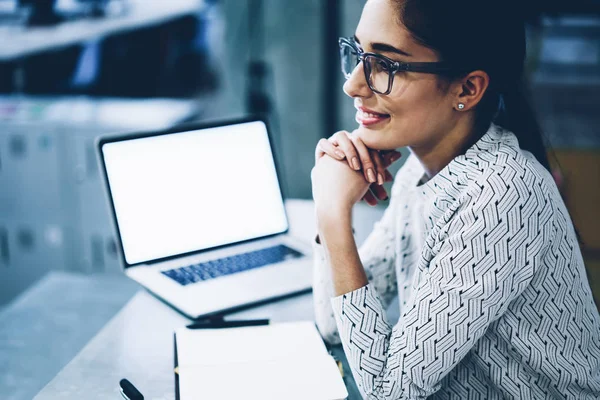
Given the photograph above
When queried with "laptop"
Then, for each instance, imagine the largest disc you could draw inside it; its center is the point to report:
(200, 218)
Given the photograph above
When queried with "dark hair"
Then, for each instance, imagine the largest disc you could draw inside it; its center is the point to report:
(482, 35)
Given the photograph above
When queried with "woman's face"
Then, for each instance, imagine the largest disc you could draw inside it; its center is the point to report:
(418, 111)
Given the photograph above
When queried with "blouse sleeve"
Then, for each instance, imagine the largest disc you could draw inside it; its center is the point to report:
(473, 267)
(377, 255)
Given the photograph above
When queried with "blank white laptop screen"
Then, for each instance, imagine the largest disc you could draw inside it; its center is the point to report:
(194, 190)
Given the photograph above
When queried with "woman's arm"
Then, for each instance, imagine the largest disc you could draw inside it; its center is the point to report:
(341, 253)
(378, 256)
(377, 252)
(465, 286)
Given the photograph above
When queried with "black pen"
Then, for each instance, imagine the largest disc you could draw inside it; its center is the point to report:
(218, 324)
(129, 392)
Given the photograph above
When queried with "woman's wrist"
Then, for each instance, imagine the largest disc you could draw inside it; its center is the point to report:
(318, 239)
(333, 227)
(334, 217)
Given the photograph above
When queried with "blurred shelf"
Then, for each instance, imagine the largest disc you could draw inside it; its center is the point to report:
(565, 79)
(53, 214)
(20, 41)
(96, 112)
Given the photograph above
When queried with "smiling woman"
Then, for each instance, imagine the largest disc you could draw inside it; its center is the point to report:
(476, 242)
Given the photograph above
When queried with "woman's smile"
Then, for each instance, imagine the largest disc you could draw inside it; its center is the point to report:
(366, 117)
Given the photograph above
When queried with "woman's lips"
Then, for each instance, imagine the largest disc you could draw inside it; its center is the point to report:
(367, 117)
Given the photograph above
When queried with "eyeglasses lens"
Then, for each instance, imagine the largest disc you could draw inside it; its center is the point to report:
(377, 70)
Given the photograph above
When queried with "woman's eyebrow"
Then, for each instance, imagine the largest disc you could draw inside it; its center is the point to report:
(386, 48)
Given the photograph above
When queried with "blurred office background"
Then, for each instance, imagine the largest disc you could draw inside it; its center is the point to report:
(71, 70)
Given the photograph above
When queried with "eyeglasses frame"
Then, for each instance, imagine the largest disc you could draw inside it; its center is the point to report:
(436, 67)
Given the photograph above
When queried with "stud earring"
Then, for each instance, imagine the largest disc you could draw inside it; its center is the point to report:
(461, 106)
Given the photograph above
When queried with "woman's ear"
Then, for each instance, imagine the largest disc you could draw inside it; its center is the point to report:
(470, 90)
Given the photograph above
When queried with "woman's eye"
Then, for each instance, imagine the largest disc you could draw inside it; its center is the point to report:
(382, 66)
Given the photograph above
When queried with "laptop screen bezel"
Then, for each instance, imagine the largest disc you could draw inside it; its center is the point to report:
(101, 141)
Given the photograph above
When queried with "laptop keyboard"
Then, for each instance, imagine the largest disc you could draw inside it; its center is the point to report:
(230, 265)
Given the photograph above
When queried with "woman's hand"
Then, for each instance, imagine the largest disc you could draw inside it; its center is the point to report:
(336, 188)
(343, 145)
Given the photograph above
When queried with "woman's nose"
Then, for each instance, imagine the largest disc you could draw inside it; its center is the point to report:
(356, 85)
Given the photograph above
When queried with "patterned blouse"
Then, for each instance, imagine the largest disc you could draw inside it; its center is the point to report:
(494, 298)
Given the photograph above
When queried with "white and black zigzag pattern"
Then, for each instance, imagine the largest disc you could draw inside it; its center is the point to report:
(495, 302)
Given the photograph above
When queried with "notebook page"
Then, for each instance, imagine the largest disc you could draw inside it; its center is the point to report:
(256, 343)
(315, 378)
(279, 361)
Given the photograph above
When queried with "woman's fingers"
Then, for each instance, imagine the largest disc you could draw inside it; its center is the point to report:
(379, 191)
(375, 194)
(338, 146)
(370, 199)
(376, 157)
(343, 145)
(368, 165)
(388, 177)
(389, 157)
(326, 147)
(346, 146)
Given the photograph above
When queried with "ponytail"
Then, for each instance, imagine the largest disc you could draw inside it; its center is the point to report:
(516, 113)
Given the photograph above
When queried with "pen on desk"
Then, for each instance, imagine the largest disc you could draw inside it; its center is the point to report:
(218, 324)
(129, 392)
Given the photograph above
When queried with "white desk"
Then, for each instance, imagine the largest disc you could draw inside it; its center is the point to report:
(137, 343)
(21, 41)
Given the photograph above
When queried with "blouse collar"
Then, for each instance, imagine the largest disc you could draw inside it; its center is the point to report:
(456, 172)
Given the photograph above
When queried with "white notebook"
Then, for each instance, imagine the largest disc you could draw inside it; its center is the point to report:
(278, 361)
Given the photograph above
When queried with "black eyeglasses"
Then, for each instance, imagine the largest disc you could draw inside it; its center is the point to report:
(380, 70)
